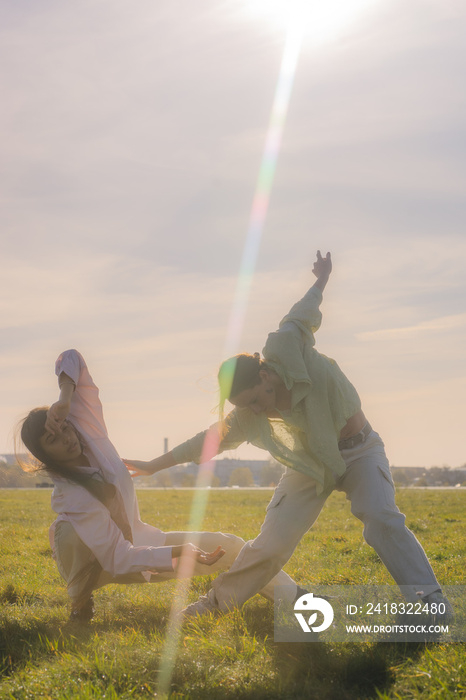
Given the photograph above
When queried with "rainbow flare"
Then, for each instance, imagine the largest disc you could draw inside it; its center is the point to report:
(248, 263)
(261, 199)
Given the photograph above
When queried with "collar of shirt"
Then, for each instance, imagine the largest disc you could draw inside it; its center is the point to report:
(283, 353)
(298, 392)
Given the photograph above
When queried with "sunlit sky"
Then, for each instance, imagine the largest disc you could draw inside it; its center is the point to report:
(131, 139)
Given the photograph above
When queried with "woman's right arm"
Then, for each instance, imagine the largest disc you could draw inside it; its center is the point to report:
(85, 405)
(192, 450)
(199, 449)
(140, 468)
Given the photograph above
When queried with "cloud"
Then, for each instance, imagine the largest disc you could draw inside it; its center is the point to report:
(131, 143)
(440, 325)
(140, 133)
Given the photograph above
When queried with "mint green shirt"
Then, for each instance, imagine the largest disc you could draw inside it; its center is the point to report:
(306, 437)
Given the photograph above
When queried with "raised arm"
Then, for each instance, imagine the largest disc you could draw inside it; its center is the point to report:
(283, 351)
(305, 315)
(59, 410)
(78, 400)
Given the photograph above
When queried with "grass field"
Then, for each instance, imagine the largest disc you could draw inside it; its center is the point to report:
(234, 656)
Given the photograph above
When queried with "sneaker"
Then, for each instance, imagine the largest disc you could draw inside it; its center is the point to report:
(435, 601)
(84, 613)
(303, 591)
(300, 592)
(284, 607)
(205, 605)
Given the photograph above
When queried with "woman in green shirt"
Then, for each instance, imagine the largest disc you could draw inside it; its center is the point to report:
(298, 405)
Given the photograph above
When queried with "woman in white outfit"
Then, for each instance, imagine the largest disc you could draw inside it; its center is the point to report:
(98, 536)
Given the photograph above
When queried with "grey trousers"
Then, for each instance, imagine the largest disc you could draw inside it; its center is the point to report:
(82, 573)
(294, 508)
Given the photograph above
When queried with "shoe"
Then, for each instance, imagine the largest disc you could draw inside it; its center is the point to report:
(300, 592)
(284, 607)
(303, 591)
(205, 605)
(83, 613)
(440, 608)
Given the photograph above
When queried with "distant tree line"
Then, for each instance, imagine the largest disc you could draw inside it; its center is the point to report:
(234, 472)
(242, 473)
(13, 477)
(435, 476)
(226, 472)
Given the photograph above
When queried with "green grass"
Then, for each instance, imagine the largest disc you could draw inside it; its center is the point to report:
(234, 656)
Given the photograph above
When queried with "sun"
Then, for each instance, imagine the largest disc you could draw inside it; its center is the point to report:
(317, 20)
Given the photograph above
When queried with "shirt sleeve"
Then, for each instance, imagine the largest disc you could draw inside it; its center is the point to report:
(116, 555)
(206, 444)
(86, 407)
(285, 348)
(305, 314)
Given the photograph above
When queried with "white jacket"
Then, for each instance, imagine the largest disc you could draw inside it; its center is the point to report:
(88, 516)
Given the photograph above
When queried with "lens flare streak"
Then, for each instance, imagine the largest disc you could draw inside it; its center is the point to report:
(264, 186)
(248, 263)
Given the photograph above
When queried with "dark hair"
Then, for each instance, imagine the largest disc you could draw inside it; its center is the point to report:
(234, 376)
(239, 373)
(32, 429)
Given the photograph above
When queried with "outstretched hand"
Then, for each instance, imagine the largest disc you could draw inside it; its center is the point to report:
(192, 552)
(137, 467)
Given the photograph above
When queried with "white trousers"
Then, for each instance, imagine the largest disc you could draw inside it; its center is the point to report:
(294, 508)
(78, 566)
